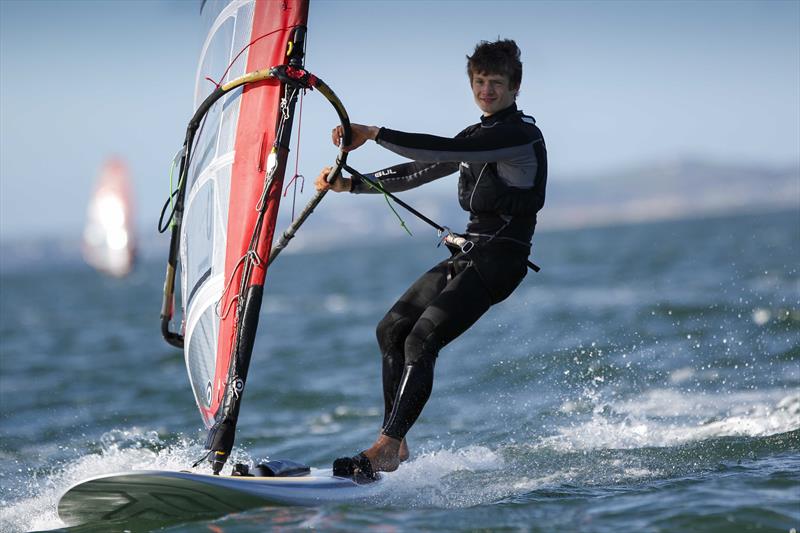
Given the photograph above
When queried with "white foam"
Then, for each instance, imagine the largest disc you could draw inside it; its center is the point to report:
(761, 316)
(528, 484)
(429, 468)
(427, 479)
(681, 375)
(336, 303)
(477, 475)
(121, 450)
(665, 417)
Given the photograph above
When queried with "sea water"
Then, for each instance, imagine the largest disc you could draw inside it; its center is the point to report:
(646, 380)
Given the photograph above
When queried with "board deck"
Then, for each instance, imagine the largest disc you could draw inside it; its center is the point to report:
(156, 495)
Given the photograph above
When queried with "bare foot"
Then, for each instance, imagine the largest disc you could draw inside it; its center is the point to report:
(384, 454)
(403, 454)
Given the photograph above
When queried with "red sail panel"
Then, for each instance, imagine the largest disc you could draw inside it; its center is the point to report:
(255, 135)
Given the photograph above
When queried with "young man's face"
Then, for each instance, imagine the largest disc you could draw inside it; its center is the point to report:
(492, 92)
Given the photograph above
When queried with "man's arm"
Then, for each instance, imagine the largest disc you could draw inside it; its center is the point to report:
(404, 176)
(397, 178)
(485, 145)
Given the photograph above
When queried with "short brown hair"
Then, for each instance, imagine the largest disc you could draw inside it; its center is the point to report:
(500, 57)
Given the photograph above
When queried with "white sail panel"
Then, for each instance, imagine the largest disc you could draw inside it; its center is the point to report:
(201, 342)
(203, 231)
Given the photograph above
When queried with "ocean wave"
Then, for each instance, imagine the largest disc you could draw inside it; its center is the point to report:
(664, 417)
(447, 478)
(34, 503)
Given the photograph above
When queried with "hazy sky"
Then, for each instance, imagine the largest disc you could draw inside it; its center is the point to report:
(610, 83)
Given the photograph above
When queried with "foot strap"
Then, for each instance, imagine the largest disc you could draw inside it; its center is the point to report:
(358, 468)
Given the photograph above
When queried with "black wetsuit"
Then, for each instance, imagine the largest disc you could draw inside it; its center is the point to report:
(503, 173)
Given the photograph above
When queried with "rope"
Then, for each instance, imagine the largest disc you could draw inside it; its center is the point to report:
(386, 197)
(173, 190)
(256, 260)
(297, 160)
(248, 45)
(187, 152)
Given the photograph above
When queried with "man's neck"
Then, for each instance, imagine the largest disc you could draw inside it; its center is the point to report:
(504, 110)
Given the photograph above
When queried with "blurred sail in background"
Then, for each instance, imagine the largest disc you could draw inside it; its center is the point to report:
(109, 243)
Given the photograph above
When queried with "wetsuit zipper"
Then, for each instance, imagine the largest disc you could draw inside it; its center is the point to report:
(471, 196)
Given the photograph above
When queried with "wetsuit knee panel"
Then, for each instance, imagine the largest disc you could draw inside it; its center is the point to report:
(422, 344)
(392, 331)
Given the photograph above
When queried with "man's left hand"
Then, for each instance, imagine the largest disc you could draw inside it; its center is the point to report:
(340, 183)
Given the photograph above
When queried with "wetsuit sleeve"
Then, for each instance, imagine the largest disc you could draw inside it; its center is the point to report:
(485, 145)
(404, 176)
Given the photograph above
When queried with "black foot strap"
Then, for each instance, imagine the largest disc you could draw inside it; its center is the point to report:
(358, 468)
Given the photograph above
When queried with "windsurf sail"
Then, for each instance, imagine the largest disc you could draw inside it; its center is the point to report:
(222, 214)
(109, 241)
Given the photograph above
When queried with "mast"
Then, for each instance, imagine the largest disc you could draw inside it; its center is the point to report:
(222, 214)
(221, 435)
(262, 141)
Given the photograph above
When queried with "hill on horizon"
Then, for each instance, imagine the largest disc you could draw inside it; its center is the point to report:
(680, 188)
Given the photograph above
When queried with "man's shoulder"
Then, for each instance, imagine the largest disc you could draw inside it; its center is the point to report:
(469, 130)
(520, 117)
(510, 119)
(528, 123)
(517, 124)
(526, 119)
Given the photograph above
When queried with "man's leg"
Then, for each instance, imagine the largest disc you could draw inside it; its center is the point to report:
(397, 324)
(462, 302)
(391, 333)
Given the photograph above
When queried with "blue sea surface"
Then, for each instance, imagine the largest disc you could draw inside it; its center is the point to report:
(648, 379)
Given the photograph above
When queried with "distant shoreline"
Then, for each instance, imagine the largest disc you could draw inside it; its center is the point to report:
(49, 251)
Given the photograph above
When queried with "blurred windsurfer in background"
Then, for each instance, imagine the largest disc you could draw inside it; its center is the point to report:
(502, 166)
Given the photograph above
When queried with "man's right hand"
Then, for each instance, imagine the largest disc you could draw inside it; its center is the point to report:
(340, 184)
(360, 135)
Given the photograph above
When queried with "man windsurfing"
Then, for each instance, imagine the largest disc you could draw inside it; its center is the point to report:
(502, 166)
